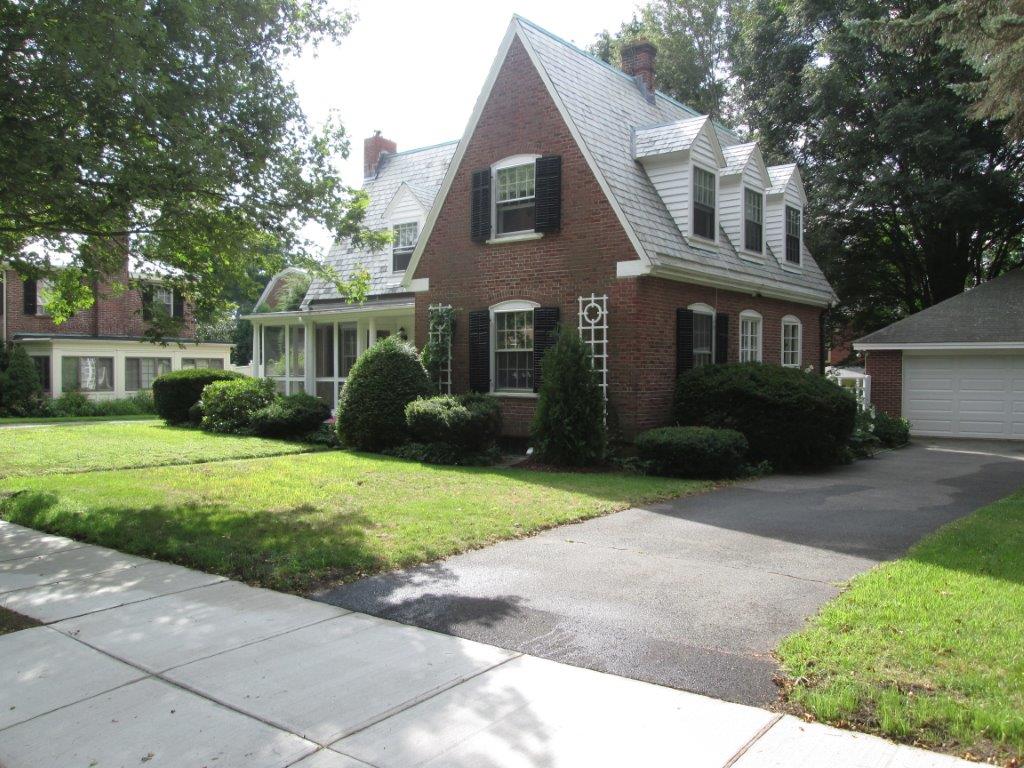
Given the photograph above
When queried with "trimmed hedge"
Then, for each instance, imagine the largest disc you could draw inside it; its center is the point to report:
(890, 431)
(230, 406)
(175, 392)
(698, 452)
(371, 408)
(468, 423)
(292, 416)
(791, 419)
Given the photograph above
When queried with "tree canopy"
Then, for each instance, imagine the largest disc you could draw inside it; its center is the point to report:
(166, 123)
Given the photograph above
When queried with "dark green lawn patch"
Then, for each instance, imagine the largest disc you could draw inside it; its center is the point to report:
(296, 522)
(29, 420)
(12, 622)
(928, 649)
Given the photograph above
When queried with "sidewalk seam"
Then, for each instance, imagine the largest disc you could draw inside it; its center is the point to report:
(752, 741)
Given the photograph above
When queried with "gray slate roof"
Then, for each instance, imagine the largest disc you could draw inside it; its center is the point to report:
(423, 170)
(991, 313)
(606, 105)
(736, 157)
(662, 139)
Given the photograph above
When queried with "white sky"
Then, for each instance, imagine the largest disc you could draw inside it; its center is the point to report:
(413, 70)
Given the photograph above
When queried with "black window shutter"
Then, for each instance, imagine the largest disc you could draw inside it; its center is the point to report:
(29, 293)
(545, 323)
(147, 302)
(684, 341)
(480, 350)
(179, 304)
(480, 206)
(548, 194)
(721, 338)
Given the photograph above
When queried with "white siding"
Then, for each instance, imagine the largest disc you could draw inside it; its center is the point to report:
(732, 194)
(405, 207)
(775, 218)
(671, 177)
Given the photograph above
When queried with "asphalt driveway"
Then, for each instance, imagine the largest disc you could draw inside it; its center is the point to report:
(696, 593)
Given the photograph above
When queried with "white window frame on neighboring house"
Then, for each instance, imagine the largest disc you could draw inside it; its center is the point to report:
(790, 357)
(507, 308)
(751, 330)
(714, 206)
(403, 243)
(148, 368)
(703, 355)
(499, 171)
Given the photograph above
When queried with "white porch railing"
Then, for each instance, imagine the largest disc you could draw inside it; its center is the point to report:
(854, 380)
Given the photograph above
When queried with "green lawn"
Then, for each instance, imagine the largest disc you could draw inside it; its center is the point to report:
(89, 447)
(930, 648)
(29, 420)
(295, 522)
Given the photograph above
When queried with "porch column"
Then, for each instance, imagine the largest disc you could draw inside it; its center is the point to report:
(310, 351)
(360, 337)
(372, 331)
(254, 364)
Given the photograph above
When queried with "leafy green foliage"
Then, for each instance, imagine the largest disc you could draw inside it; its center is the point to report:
(568, 426)
(294, 291)
(170, 124)
(436, 352)
(792, 419)
(468, 423)
(21, 394)
(892, 432)
(176, 392)
(292, 416)
(371, 405)
(698, 452)
(231, 406)
(76, 404)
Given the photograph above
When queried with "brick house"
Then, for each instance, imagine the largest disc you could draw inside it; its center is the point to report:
(102, 351)
(580, 196)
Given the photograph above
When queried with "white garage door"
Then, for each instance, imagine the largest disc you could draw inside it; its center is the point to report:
(965, 395)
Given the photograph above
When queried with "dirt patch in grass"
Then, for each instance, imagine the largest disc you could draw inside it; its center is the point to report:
(13, 622)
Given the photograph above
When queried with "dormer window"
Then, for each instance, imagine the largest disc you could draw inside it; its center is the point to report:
(514, 204)
(753, 220)
(703, 203)
(792, 235)
(164, 297)
(403, 243)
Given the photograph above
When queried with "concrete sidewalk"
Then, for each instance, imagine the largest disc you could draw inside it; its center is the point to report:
(144, 663)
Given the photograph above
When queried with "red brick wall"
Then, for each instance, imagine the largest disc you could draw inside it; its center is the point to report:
(885, 367)
(520, 118)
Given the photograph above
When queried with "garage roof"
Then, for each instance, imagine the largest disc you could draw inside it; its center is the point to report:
(991, 314)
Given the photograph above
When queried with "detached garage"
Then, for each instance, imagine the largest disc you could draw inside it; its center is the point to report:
(955, 369)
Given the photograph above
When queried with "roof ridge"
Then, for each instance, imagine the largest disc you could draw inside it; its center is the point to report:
(423, 149)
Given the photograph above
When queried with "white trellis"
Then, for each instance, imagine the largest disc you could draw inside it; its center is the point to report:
(593, 325)
(440, 338)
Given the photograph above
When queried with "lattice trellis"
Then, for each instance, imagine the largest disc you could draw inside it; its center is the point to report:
(593, 325)
(440, 319)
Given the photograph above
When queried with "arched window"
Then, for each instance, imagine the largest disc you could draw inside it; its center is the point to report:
(792, 341)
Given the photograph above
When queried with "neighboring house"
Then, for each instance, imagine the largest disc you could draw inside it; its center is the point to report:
(101, 351)
(955, 369)
(579, 196)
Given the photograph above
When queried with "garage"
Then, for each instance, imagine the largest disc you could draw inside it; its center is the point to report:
(955, 369)
(965, 395)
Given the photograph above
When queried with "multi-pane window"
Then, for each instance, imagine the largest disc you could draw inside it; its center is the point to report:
(750, 339)
(403, 243)
(203, 362)
(791, 342)
(347, 338)
(703, 339)
(753, 220)
(139, 372)
(513, 351)
(792, 235)
(514, 199)
(703, 203)
(87, 374)
(274, 363)
(163, 297)
(43, 369)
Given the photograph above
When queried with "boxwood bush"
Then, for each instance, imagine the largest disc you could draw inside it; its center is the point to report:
(175, 392)
(371, 407)
(792, 419)
(230, 406)
(292, 416)
(467, 423)
(698, 452)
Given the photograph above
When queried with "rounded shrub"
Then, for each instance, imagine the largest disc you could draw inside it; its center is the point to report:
(568, 426)
(791, 419)
(891, 432)
(230, 406)
(175, 392)
(699, 452)
(467, 423)
(21, 394)
(371, 406)
(292, 416)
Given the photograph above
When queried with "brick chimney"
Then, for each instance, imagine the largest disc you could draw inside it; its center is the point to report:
(373, 148)
(638, 62)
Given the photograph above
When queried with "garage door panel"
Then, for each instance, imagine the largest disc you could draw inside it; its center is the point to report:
(970, 407)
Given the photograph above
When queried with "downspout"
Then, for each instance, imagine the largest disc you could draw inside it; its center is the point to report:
(822, 357)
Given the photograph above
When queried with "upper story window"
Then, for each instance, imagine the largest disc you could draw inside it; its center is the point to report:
(792, 235)
(753, 220)
(513, 350)
(750, 337)
(34, 294)
(514, 199)
(792, 331)
(703, 203)
(163, 297)
(403, 242)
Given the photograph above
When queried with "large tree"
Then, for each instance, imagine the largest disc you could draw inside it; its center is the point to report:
(165, 124)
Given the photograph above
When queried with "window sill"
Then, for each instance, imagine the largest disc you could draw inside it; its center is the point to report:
(516, 395)
(518, 237)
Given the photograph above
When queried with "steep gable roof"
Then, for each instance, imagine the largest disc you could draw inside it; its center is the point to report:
(672, 137)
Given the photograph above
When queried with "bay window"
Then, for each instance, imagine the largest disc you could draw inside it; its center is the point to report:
(513, 351)
(87, 374)
(750, 337)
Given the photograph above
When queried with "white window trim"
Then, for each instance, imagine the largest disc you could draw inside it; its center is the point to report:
(705, 309)
(743, 223)
(42, 284)
(514, 305)
(750, 314)
(410, 249)
(693, 201)
(792, 320)
(794, 265)
(509, 237)
(156, 289)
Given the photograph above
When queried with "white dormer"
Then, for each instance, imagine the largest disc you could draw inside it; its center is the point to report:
(405, 213)
(784, 215)
(683, 160)
(744, 182)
